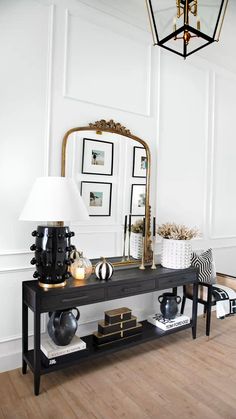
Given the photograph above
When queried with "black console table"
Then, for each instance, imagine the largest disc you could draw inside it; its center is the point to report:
(124, 283)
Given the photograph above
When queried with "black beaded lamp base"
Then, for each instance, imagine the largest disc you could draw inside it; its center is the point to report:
(52, 255)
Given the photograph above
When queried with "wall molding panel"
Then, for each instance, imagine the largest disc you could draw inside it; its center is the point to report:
(15, 258)
(48, 110)
(182, 165)
(75, 70)
(222, 207)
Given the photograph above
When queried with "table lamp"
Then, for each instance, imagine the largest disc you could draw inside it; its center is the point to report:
(52, 201)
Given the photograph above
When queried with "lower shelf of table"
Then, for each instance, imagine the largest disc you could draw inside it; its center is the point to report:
(149, 332)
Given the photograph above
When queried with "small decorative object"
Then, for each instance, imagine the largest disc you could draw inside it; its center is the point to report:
(136, 239)
(97, 157)
(124, 242)
(105, 328)
(165, 324)
(142, 267)
(169, 305)
(153, 243)
(206, 267)
(81, 268)
(104, 270)
(139, 162)
(53, 354)
(97, 198)
(186, 26)
(138, 199)
(118, 325)
(102, 340)
(62, 326)
(118, 315)
(176, 245)
(53, 200)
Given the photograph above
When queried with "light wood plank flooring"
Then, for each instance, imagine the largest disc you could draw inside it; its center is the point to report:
(173, 377)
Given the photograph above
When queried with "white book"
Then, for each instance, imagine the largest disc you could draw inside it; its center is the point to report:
(165, 324)
(51, 350)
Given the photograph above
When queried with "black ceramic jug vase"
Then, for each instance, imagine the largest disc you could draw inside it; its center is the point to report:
(62, 326)
(169, 305)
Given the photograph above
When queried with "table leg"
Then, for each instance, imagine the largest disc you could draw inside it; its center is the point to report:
(208, 310)
(194, 310)
(24, 335)
(37, 361)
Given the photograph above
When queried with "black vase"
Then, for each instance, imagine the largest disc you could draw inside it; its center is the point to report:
(169, 305)
(52, 255)
(62, 326)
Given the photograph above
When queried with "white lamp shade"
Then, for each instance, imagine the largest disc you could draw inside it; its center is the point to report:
(54, 199)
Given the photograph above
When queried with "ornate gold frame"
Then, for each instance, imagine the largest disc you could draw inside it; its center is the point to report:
(116, 128)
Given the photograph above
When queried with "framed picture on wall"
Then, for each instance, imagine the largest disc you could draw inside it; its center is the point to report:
(97, 198)
(138, 198)
(97, 157)
(139, 162)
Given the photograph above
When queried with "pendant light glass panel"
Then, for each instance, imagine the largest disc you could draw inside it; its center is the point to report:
(164, 12)
(208, 12)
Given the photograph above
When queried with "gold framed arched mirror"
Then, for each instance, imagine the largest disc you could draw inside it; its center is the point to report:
(94, 153)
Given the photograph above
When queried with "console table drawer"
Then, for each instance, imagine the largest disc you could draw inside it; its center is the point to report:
(72, 300)
(170, 282)
(130, 289)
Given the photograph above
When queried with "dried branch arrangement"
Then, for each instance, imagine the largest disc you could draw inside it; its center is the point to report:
(137, 227)
(175, 231)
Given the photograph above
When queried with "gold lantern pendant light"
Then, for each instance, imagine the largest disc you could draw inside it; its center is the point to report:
(186, 26)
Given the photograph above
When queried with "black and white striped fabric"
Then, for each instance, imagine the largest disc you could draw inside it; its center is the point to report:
(204, 262)
(225, 301)
(104, 270)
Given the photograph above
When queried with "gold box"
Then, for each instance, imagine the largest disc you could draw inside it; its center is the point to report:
(101, 339)
(117, 315)
(105, 328)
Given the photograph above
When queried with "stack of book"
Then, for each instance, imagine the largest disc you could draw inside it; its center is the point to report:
(53, 354)
(118, 325)
(165, 324)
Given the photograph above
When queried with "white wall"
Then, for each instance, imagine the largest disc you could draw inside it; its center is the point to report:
(71, 63)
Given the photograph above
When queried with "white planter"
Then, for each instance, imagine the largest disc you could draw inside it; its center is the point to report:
(136, 245)
(176, 254)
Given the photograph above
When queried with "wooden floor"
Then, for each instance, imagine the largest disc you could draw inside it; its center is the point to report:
(173, 377)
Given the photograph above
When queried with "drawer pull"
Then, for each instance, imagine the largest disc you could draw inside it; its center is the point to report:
(125, 289)
(170, 280)
(70, 300)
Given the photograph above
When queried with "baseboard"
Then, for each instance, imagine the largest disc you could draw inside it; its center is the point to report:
(10, 361)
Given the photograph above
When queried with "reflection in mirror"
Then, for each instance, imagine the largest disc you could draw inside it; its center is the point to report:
(110, 171)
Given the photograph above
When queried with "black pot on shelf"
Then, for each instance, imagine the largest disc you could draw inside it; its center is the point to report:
(52, 255)
(62, 326)
(169, 305)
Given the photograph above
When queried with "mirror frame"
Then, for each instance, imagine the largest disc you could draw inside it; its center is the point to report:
(116, 128)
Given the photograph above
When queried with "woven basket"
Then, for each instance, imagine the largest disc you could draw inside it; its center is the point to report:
(136, 245)
(176, 254)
